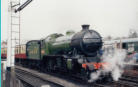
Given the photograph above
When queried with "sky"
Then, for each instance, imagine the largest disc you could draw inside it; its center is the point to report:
(43, 17)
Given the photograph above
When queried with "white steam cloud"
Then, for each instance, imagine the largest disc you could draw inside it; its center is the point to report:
(115, 62)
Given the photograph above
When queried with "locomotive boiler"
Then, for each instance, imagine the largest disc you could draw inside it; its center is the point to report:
(84, 43)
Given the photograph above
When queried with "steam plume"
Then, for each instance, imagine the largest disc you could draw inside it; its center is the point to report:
(115, 60)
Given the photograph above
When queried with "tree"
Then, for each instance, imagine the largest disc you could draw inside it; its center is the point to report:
(108, 38)
(133, 33)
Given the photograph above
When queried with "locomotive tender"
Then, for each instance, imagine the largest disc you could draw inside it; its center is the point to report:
(75, 53)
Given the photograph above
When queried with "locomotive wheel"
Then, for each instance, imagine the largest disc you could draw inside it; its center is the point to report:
(85, 74)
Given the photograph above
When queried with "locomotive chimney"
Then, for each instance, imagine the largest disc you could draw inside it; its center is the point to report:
(85, 27)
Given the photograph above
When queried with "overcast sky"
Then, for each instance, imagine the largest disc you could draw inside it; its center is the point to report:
(43, 17)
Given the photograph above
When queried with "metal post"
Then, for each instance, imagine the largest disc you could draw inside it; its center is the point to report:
(9, 39)
(3, 64)
(8, 77)
(8, 49)
(2, 81)
(10, 73)
(13, 14)
(19, 31)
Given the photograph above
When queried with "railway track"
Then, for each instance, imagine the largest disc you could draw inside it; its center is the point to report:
(37, 79)
(34, 80)
(125, 81)
(130, 79)
(48, 77)
(63, 81)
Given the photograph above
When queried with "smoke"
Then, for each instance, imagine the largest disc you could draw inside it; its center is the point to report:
(94, 76)
(114, 64)
(115, 59)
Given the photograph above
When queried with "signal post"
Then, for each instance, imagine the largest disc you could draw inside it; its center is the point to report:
(14, 9)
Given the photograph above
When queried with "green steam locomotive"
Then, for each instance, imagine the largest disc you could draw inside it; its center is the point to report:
(75, 53)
